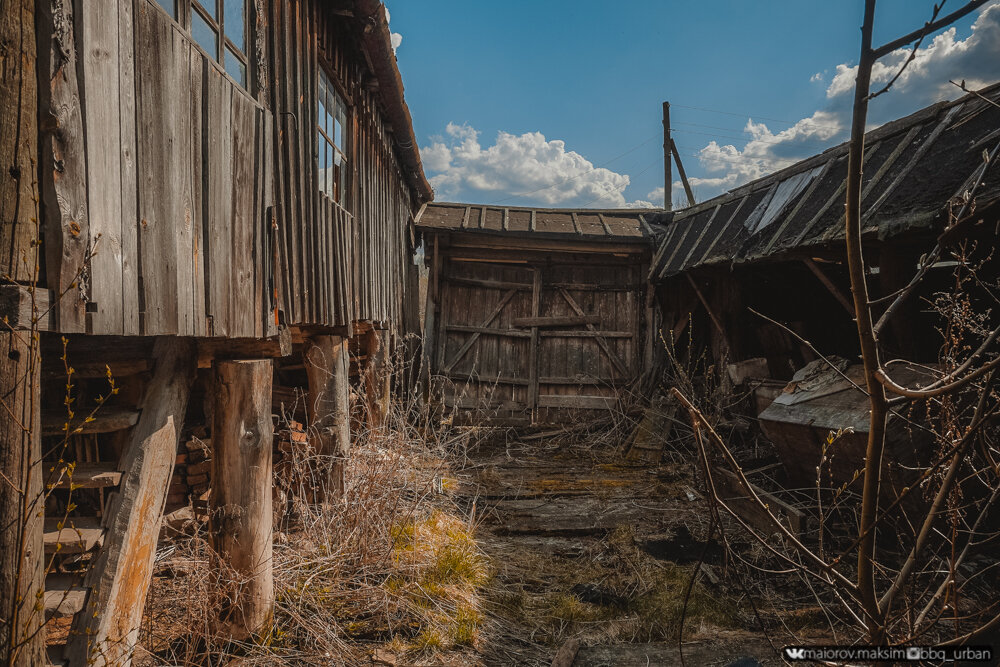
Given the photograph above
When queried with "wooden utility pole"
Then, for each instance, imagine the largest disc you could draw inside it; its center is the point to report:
(667, 174)
(241, 522)
(22, 566)
(327, 366)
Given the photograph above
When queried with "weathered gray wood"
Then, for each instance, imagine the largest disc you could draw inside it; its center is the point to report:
(615, 360)
(22, 566)
(25, 308)
(130, 176)
(536, 304)
(18, 138)
(199, 195)
(327, 364)
(240, 523)
(84, 475)
(474, 337)
(106, 420)
(63, 163)
(164, 159)
(119, 578)
(75, 536)
(100, 92)
(378, 380)
(559, 321)
(219, 195)
(577, 402)
(241, 289)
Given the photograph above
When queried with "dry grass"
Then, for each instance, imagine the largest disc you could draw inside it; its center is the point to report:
(392, 568)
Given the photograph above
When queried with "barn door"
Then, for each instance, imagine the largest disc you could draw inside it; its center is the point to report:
(536, 344)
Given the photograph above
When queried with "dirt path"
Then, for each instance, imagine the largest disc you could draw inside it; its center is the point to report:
(589, 546)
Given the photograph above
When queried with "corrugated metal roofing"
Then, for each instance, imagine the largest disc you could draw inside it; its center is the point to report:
(619, 225)
(913, 167)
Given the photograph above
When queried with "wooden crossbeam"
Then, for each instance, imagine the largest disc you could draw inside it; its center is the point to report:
(615, 360)
(828, 284)
(474, 337)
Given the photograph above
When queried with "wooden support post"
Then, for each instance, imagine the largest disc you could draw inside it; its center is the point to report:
(667, 175)
(106, 631)
(536, 304)
(828, 284)
(240, 507)
(378, 381)
(22, 556)
(327, 366)
(680, 171)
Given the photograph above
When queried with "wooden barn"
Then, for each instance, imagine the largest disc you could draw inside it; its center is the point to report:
(200, 200)
(535, 316)
(757, 277)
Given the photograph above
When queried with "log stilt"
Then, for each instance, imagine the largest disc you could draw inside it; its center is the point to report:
(378, 383)
(22, 556)
(241, 520)
(328, 365)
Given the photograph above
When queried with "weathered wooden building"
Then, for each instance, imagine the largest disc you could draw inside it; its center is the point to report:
(730, 269)
(190, 189)
(535, 315)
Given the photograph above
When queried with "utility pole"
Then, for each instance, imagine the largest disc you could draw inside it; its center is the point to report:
(667, 144)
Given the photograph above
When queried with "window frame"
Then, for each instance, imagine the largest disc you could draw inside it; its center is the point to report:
(335, 91)
(183, 13)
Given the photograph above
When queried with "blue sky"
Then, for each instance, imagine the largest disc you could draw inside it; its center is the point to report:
(558, 103)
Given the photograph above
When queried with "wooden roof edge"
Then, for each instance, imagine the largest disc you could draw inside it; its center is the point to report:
(378, 42)
(626, 212)
(571, 236)
(880, 133)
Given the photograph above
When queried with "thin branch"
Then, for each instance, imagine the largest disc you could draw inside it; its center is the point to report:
(913, 53)
(928, 28)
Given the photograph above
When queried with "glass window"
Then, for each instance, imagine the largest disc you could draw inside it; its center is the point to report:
(170, 6)
(331, 135)
(220, 28)
(204, 34)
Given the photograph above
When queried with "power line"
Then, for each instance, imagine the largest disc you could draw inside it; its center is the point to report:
(742, 115)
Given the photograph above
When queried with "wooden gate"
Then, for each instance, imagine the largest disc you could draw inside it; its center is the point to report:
(537, 342)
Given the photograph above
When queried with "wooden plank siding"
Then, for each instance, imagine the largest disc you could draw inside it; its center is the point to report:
(349, 261)
(202, 203)
(179, 183)
(544, 339)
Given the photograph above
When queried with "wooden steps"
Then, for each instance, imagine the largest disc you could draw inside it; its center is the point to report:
(64, 595)
(106, 420)
(78, 535)
(85, 476)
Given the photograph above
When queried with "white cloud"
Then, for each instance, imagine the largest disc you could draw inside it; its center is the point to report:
(395, 38)
(818, 76)
(925, 81)
(519, 169)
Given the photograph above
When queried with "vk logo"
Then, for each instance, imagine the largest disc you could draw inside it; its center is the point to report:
(793, 653)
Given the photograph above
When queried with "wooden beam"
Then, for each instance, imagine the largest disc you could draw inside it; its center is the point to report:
(107, 419)
(828, 284)
(704, 302)
(563, 321)
(22, 559)
(577, 402)
(377, 377)
(244, 348)
(327, 367)
(536, 303)
(107, 631)
(615, 361)
(680, 170)
(474, 337)
(240, 520)
(576, 222)
(23, 308)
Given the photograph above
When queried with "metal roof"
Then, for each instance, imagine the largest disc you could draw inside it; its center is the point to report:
(913, 167)
(618, 225)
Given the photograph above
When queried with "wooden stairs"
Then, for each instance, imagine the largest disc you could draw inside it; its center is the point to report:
(106, 497)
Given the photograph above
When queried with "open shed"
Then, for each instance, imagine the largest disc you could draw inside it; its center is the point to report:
(535, 316)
